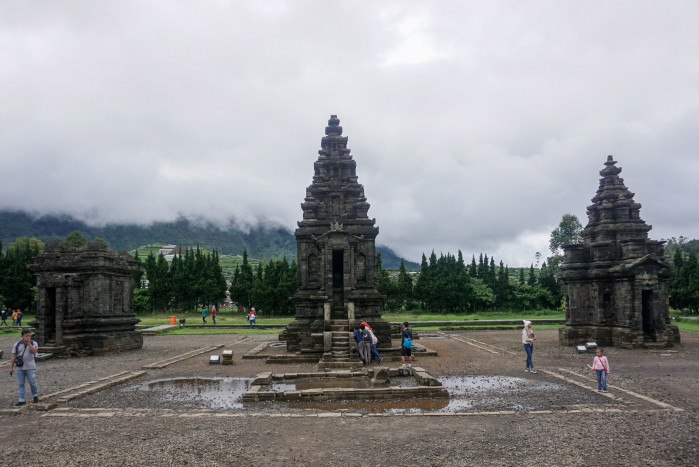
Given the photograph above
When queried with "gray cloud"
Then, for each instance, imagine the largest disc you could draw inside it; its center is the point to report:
(475, 125)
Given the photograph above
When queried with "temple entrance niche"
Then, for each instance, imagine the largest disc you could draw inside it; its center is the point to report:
(336, 251)
(85, 300)
(616, 282)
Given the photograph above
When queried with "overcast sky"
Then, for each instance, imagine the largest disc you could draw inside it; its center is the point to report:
(475, 125)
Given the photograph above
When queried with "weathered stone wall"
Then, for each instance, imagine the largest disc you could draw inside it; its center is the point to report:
(85, 300)
(615, 283)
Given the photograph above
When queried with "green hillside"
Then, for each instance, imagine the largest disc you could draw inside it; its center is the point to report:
(262, 242)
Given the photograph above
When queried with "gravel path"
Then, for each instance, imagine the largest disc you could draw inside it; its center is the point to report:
(547, 421)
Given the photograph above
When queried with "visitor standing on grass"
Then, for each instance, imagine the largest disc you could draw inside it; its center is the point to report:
(3, 315)
(19, 317)
(24, 358)
(528, 338)
(251, 317)
(601, 366)
(406, 344)
(203, 314)
(14, 317)
(213, 314)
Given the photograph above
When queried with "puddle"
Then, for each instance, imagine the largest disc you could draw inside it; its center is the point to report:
(462, 385)
(214, 393)
(325, 383)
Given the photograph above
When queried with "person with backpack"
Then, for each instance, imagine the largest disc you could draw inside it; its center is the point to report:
(19, 317)
(14, 317)
(24, 358)
(406, 349)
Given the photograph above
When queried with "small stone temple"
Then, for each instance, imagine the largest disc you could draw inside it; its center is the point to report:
(616, 281)
(336, 250)
(85, 300)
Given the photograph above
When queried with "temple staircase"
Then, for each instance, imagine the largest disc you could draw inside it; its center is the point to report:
(339, 354)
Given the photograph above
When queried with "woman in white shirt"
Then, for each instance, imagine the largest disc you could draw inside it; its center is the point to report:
(528, 342)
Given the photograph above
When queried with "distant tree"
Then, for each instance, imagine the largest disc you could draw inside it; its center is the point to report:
(74, 239)
(384, 284)
(404, 286)
(531, 280)
(241, 285)
(17, 283)
(473, 270)
(568, 232)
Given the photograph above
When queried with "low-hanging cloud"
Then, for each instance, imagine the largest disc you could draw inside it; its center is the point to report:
(475, 125)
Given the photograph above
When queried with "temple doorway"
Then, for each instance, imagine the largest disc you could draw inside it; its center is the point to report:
(647, 316)
(338, 309)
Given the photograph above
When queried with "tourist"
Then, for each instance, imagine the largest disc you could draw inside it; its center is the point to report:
(406, 344)
(251, 317)
(19, 317)
(3, 315)
(601, 366)
(14, 317)
(213, 314)
(203, 314)
(374, 340)
(528, 338)
(23, 356)
(365, 346)
(357, 334)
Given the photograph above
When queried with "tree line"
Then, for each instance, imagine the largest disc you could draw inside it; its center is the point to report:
(447, 285)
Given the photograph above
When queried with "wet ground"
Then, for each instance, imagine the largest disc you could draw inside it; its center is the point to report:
(190, 412)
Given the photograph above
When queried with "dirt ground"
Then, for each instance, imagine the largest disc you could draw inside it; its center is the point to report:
(498, 415)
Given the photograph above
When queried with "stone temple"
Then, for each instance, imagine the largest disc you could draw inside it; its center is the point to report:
(85, 300)
(336, 251)
(616, 281)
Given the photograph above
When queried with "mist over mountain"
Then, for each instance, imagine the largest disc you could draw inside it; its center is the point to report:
(268, 241)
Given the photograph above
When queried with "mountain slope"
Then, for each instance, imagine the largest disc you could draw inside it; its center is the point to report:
(267, 241)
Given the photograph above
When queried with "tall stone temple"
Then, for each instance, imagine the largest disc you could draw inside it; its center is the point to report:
(616, 281)
(336, 250)
(85, 300)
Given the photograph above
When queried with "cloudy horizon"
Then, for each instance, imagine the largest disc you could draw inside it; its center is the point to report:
(475, 125)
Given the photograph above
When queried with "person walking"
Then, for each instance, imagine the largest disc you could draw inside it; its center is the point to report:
(19, 317)
(3, 315)
(252, 317)
(14, 317)
(406, 344)
(601, 366)
(528, 338)
(24, 358)
(213, 314)
(203, 314)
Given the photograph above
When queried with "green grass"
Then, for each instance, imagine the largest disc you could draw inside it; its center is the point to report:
(538, 314)
(214, 330)
(689, 325)
(226, 317)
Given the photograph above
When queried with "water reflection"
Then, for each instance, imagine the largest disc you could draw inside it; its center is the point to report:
(215, 393)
